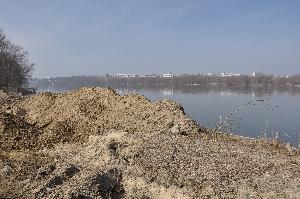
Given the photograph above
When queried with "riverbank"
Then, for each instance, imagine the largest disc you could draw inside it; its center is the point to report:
(95, 143)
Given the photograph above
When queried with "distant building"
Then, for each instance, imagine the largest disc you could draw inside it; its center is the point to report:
(152, 75)
(255, 74)
(125, 75)
(226, 74)
(284, 76)
(168, 75)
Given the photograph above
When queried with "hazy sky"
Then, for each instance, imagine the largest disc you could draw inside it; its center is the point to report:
(72, 37)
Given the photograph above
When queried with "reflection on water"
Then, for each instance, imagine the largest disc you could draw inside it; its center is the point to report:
(167, 92)
(253, 112)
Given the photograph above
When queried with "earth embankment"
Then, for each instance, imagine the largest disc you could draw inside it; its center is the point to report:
(94, 143)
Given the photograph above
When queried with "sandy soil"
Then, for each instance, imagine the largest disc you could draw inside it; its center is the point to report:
(93, 143)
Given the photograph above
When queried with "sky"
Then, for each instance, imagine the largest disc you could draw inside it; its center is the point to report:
(97, 37)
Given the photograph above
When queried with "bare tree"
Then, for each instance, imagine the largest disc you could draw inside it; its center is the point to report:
(15, 67)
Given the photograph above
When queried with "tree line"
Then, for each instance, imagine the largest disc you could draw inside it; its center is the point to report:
(201, 81)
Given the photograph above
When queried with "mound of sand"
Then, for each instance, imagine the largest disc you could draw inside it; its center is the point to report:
(94, 143)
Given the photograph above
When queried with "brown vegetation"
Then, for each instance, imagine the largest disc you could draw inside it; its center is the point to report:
(15, 68)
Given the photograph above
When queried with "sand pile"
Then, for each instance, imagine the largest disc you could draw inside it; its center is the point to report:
(94, 143)
(91, 111)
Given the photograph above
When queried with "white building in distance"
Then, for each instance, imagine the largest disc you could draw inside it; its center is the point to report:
(255, 74)
(125, 75)
(226, 74)
(168, 75)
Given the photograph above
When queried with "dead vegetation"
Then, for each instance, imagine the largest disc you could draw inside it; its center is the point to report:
(93, 143)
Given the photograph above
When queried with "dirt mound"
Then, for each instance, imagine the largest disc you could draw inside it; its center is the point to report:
(73, 116)
(94, 143)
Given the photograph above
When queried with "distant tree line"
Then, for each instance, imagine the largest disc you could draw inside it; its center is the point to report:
(183, 81)
(15, 67)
